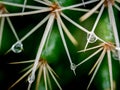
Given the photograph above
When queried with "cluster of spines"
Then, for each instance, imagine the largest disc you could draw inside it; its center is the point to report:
(55, 13)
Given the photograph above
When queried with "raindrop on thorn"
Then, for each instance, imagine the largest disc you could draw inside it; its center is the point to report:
(17, 47)
(31, 79)
(115, 54)
(73, 66)
(91, 38)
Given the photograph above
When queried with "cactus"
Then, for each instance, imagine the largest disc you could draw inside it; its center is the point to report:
(59, 44)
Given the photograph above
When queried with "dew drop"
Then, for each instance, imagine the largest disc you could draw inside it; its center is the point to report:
(17, 48)
(115, 54)
(91, 38)
(73, 67)
(31, 79)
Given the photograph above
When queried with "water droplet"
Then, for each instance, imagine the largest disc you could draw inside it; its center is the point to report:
(115, 54)
(31, 78)
(17, 47)
(73, 67)
(91, 38)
